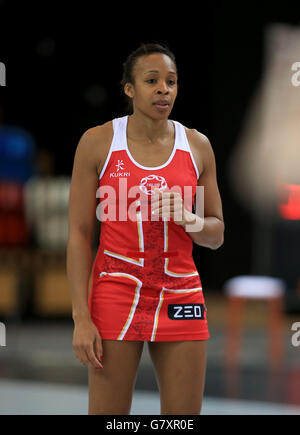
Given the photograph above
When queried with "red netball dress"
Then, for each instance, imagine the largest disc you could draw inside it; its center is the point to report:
(145, 285)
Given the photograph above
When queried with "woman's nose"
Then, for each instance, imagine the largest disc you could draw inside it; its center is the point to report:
(163, 88)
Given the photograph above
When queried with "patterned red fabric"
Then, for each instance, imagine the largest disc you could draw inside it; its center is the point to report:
(145, 285)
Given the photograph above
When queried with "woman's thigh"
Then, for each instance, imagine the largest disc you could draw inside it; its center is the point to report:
(180, 368)
(111, 388)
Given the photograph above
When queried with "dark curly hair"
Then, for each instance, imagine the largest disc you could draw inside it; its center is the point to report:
(128, 65)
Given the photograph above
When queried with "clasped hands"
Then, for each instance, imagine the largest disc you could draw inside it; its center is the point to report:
(170, 205)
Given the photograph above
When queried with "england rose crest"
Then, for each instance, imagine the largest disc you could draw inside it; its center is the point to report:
(147, 184)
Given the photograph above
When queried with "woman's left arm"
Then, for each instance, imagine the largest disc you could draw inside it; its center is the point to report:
(208, 230)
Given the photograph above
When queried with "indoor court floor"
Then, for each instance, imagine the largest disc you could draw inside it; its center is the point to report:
(39, 373)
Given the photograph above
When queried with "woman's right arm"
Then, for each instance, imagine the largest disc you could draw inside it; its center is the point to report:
(87, 342)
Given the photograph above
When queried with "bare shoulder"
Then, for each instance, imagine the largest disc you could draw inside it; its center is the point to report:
(200, 147)
(94, 144)
(198, 139)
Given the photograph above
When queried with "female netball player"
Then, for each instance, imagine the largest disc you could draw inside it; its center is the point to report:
(145, 286)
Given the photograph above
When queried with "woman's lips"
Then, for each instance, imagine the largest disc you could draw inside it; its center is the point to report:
(161, 105)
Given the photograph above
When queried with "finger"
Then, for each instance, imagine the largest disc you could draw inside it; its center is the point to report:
(84, 356)
(170, 207)
(155, 204)
(177, 202)
(155, 211)
(76, 350)
(175, 213)
(156, 197)
(155, 208)
(157, 193)
(164, 201)
(77, 354)
(92, 357)
(169, 194)
(169, 200)
(81, 355)
(98, 348)
(178, 215)
(165, 212)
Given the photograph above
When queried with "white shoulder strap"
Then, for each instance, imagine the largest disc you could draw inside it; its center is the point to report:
(119, 125)
(183, 143)
(117, 143)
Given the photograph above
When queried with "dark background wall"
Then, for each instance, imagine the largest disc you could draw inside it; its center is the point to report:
(57, 54)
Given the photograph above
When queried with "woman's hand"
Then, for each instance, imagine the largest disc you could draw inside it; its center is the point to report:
(87, 343)
(170, 205)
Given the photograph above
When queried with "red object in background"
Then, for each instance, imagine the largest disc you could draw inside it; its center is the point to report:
(235, 327)
(289, 201)
(13, 225)
(293, 386)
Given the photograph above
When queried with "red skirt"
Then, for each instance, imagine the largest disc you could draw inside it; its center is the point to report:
(130, 306)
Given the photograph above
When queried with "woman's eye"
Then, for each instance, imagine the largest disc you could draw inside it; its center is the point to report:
(151, 81)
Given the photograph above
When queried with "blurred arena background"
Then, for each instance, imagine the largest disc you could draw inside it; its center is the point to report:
(239, 85)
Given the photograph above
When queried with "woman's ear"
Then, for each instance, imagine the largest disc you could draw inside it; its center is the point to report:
(128, 89)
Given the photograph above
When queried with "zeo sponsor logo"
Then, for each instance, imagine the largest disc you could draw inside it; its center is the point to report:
(186, 311)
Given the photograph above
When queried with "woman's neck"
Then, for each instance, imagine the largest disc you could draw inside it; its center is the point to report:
(145, 129)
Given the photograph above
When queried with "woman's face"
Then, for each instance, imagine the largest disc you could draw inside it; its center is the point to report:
(155, 85)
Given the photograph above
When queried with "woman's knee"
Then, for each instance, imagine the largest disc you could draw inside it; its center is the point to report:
(111, 388)
(180, 368)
